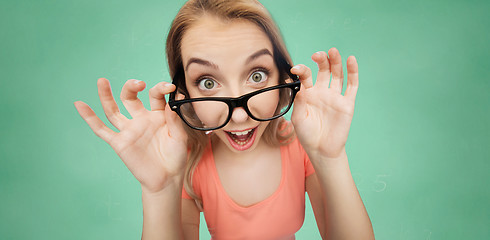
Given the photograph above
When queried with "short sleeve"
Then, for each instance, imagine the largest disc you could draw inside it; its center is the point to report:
(298, 149)
(308, 165)
(195, 185)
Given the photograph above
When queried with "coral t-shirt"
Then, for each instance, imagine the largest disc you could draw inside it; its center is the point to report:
(279, 216)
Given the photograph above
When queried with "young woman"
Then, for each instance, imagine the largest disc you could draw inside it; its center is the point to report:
(221, 145)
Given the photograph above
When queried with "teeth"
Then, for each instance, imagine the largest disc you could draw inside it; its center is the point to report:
(241, 133)
(240, 143)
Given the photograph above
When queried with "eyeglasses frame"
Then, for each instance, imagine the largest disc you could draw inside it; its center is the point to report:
(236, 102)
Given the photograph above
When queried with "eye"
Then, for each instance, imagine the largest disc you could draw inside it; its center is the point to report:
(258, 76)
(207, 84)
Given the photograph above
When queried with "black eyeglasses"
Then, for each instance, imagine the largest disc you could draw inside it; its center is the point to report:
(210, 113)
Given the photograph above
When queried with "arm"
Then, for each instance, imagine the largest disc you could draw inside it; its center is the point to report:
(322, 117)
(338, 208)
(162, 213)
(166, 215)
(317, 201)
(190, 219)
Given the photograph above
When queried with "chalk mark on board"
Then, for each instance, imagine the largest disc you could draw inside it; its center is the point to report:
(132, 38)
(347, 23)
(380, 184)
(403, 232)
(110, 207)
(429, 236)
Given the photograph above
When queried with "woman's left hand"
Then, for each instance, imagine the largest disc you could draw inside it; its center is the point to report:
(322, 115)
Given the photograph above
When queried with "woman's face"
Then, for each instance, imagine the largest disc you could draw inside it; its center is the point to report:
(230, 59)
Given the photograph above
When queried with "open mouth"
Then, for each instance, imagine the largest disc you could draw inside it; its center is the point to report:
(242, 140)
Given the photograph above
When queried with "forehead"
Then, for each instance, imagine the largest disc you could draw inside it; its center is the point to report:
(216, 39)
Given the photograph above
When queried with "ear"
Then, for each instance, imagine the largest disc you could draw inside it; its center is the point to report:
(179, 96)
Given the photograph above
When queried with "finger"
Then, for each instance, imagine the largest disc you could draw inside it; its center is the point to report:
(352, 78)
(99, 128)
(157, 95)
(336, 68)
(323, 63)
(175, 127)
(129, 96)
(300, 111)
(109, 105)
(304, 74)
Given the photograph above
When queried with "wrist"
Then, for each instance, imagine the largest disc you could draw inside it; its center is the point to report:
(171, 186)
(328, 161)
(326, 152)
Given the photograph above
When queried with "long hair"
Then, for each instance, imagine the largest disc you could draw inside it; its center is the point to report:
(276, 133)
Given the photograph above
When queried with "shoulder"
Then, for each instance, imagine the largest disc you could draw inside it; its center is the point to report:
(285, 132)
(294, 148)
(198, 174)
(290, 140)
(204, 160)
(294, 151)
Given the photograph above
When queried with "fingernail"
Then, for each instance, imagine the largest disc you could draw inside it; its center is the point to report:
(136, 81)
(297, 67)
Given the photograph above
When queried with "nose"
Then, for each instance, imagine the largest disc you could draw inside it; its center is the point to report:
(239, 115)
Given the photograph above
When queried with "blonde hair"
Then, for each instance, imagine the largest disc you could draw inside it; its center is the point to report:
(276, 133)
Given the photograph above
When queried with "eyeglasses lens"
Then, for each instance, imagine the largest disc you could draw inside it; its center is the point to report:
(211, 114)
(269, 104)
(205, 114)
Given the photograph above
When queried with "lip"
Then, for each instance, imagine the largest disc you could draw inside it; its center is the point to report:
(245, 146)
(232, 131)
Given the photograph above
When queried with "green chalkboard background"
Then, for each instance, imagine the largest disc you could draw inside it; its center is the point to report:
(418, 146)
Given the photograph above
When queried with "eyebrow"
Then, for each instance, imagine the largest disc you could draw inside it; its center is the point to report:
(202, 62)
(257, 54)
(252, 57)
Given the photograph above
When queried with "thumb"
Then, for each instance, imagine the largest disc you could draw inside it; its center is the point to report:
(174, 124)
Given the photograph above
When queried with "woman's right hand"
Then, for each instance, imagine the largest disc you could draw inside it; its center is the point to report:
(153, 144)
